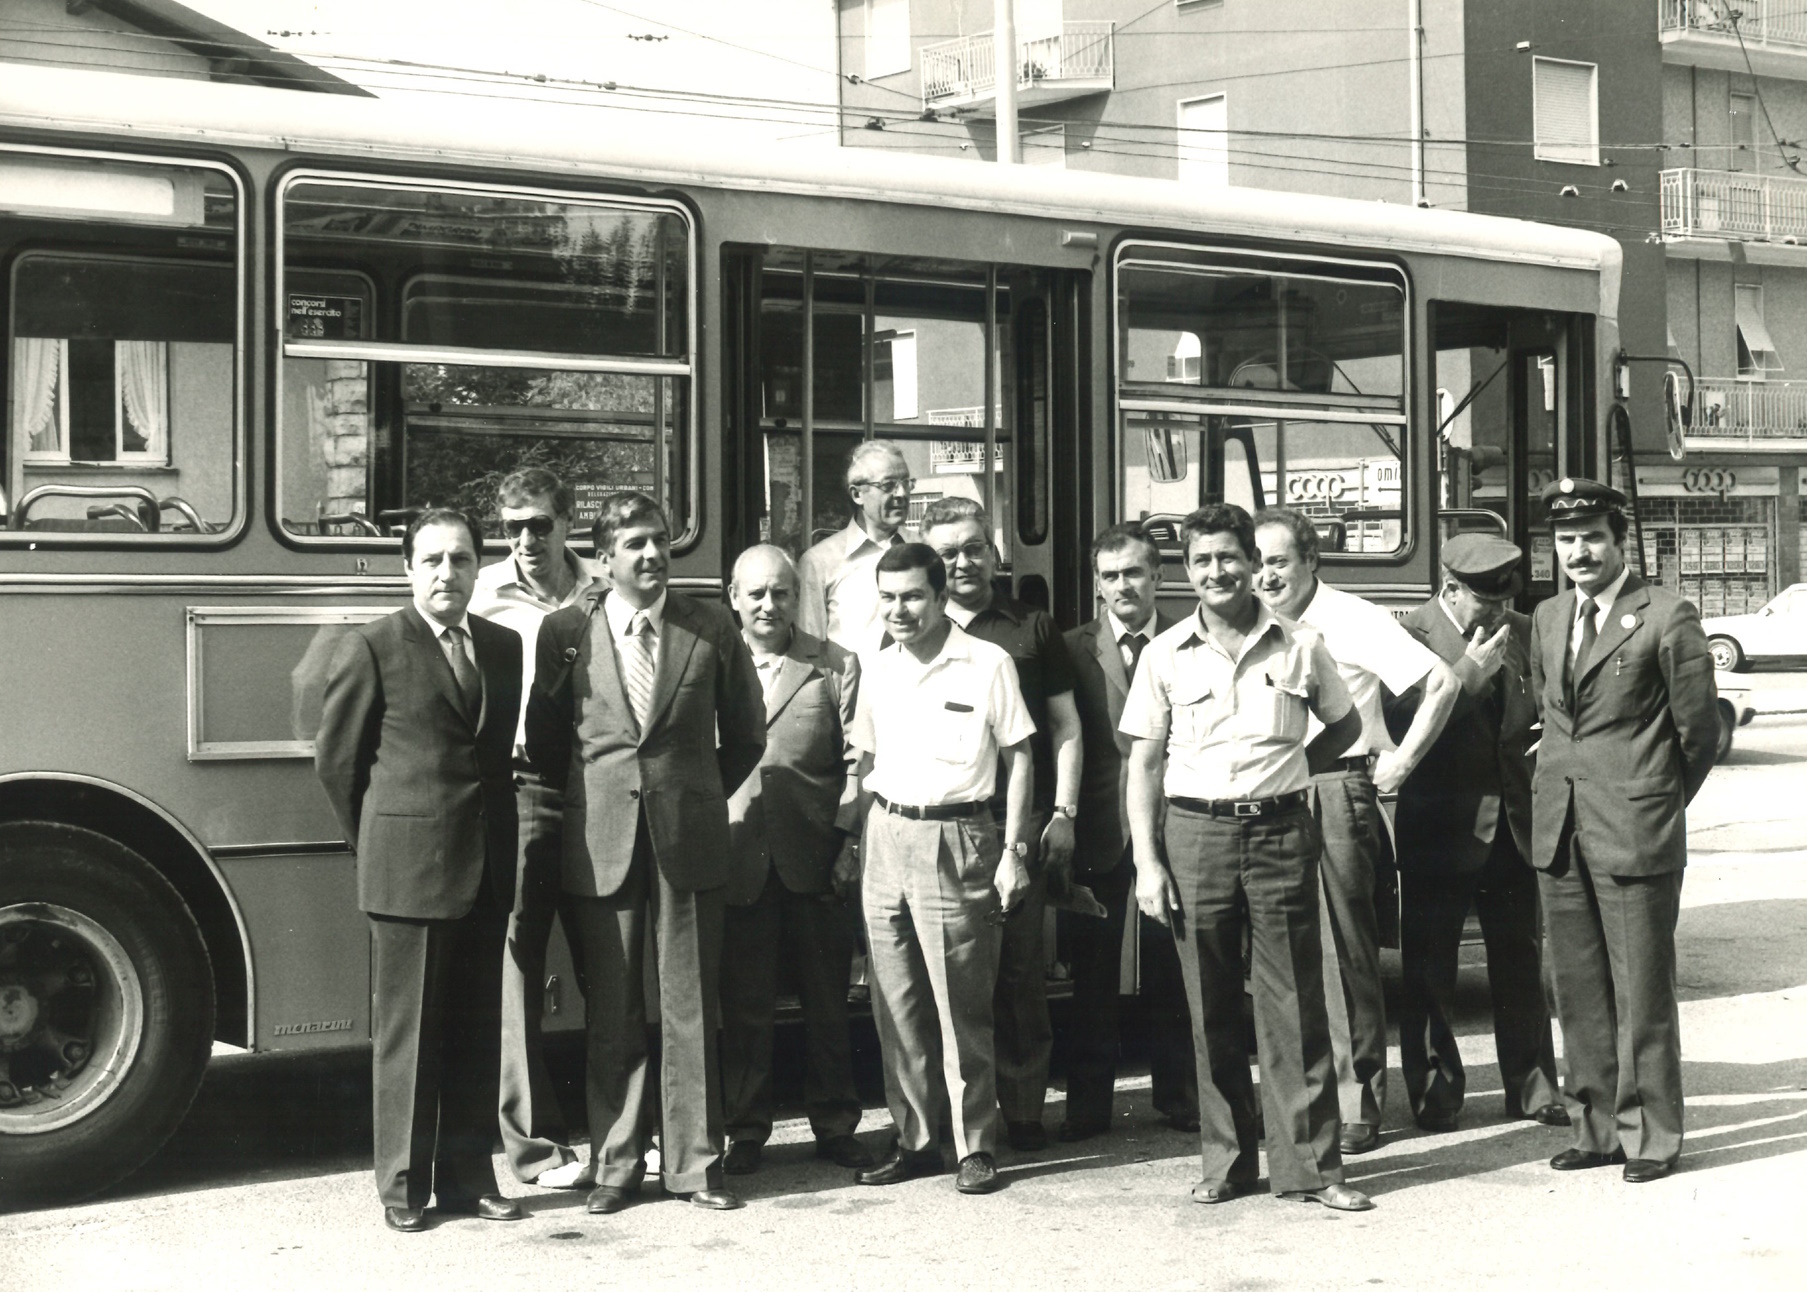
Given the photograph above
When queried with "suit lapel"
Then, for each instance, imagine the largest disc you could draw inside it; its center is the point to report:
(438, 667)
(676, 643)
(610, 688)
(1633, 597)
(1110, 658)
(798, 667)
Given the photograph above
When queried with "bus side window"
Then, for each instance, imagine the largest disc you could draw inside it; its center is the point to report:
(122, 349)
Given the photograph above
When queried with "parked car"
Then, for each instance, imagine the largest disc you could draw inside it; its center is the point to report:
(1776, 632)
(1734, 711)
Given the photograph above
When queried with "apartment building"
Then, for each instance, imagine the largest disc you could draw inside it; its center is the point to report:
(1642, 119)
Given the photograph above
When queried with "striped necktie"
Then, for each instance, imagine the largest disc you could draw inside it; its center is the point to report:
(639, 663)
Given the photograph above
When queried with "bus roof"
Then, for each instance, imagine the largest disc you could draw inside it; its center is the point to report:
(573, 138)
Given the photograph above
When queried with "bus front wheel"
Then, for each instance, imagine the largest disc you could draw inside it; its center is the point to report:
(106, 1011)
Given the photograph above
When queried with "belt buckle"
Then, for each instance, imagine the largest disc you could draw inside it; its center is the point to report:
(1247, 807)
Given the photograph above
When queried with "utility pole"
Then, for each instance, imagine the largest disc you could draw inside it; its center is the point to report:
(1415, 90)
(1004, 72)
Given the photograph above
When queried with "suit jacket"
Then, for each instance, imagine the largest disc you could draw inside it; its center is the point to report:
(1642, 737)
(1449, 807)
(581, 735)
(794, 810)
(424, 793)
(1100, 686)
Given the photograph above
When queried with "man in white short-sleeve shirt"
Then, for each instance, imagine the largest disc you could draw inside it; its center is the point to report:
(936, 710)
(1371, 651)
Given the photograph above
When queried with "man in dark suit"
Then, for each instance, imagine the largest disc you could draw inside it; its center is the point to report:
(792, 824)
(1126, 569)
(631, 689)
(1631, 727)
(1464, 829)
(413, 749)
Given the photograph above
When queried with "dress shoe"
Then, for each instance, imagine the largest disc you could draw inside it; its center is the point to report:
(1359, 1137)
(1222, 1191)
(1580, 1159)
(1075, 1129)
(607, 1199)
(405, 1220)
(1338, 1197)
(1551, 1115)
(575, 1174)
(978, 1174)
(844, 1150)
(743, 1157)
(716, 1200)
(491, 1206)
(1436, 1125)
(1026, 1137)
(1187, 1122)
(900, 1166)
(1642, 1170)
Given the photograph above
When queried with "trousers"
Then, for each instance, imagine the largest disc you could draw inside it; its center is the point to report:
(1355, 849)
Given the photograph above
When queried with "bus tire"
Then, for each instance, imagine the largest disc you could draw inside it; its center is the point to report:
(106, 1012)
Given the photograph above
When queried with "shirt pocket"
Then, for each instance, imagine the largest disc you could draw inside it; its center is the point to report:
(957, 731)
(1281, 710)
(1194, 708)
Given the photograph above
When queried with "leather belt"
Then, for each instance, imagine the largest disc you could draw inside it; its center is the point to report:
(1242, 807)
(1358, 763)
(933, 811)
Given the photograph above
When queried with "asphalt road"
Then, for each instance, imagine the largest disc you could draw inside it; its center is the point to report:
(268, 1184)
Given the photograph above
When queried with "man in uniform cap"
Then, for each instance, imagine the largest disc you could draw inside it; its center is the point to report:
(1623, 680)
(1464, 830)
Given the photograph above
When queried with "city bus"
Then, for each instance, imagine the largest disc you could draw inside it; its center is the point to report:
(251, 331)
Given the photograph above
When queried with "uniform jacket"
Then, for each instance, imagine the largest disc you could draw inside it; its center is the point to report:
(424, 794)
(581, 735)
(1449, 807)
(792, 811)
(1100, 685)
(1641, 740)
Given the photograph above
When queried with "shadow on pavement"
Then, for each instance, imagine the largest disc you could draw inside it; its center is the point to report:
(1738, 948)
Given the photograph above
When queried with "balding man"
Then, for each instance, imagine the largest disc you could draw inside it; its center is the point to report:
(840, 586)
(792, 859)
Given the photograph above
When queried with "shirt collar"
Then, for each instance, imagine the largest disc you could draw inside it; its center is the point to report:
(439, 629)
(760, 655)
(1603, 601)
(1447, 614)
(621, 614)
(1119, 629)
(1001, 606)
(857, 538)
(958, 646)
(1266, 621)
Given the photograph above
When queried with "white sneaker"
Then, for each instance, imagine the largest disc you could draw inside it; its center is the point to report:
(575, 1174)
(652, 1160)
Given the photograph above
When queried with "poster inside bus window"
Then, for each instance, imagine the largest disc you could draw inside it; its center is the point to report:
(325, 318)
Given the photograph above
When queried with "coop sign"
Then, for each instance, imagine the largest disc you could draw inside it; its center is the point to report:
(1708, 482)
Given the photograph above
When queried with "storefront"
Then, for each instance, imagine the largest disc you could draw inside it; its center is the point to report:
(1711, 532)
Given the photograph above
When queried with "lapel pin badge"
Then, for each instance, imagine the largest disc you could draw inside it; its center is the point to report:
(1628, 621)
(570, 654)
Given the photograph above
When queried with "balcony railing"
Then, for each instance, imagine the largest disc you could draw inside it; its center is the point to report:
(1736, 409)
(1762, 23)
(1734, 205)
(963, 72)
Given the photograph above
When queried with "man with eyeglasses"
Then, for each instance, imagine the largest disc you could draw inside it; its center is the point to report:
(540, 574)
(960, 532)
(840, 588)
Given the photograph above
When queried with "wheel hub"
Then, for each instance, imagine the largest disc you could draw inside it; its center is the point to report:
(71, 1013)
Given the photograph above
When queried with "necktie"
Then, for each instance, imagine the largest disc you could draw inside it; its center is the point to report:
(1134, 643)
(464, 672)
(639, 665)
(1588, 632)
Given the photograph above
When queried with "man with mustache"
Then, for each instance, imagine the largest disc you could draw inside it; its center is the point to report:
(1224, 695)
(1631, 727)
(1371, 651)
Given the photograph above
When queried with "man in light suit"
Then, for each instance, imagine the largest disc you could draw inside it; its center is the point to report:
(413, 751)
(1631, 727)
(1464, 829)
(792, 823)
(630, 691)
(1126, 569)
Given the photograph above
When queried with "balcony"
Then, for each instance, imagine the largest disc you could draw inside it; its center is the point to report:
(962, 74)
(1739, 413)
(1734, 205)
(1700, 33)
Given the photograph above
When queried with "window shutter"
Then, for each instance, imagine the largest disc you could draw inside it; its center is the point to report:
(1567, 117)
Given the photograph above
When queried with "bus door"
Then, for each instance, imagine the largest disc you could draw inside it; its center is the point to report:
(1505, 425)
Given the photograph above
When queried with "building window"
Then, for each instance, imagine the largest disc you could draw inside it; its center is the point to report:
(1567, 111)
(1743, 132)
(1204, 141)
(1045, 146)
(1757, 355)
(887, 37)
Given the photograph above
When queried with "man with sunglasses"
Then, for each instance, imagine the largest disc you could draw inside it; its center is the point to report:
(840, 587)
(540, 574)
(1464, 830)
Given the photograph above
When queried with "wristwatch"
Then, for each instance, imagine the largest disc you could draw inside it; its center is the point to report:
(1061, 809)
(1019, 850)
